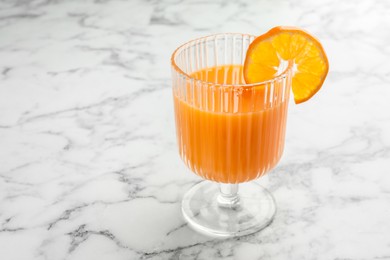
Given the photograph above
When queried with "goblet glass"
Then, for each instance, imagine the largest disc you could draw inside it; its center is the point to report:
(228, 132)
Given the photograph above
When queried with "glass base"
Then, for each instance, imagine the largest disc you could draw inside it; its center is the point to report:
(253, 209)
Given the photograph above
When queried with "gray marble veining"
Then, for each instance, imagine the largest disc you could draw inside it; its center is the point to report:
(89, 167)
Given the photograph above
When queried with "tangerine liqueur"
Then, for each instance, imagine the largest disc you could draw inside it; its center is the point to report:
(226, 132)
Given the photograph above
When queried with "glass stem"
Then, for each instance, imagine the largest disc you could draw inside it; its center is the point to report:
(228, 195)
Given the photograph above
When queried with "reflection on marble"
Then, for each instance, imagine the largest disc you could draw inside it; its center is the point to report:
(88, 162)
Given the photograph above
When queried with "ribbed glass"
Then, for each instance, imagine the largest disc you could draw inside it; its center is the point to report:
(227, 131)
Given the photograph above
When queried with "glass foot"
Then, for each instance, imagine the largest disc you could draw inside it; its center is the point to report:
(206, 209)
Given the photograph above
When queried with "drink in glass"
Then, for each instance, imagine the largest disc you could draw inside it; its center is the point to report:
(228, 133)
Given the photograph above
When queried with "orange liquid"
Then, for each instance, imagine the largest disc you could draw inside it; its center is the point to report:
(227, 134)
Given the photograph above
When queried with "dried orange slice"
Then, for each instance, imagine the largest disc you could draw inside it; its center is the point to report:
(267, 52)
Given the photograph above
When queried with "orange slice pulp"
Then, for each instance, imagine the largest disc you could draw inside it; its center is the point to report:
(282, 44)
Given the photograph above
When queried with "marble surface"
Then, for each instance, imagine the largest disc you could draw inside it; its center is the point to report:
(89, 167)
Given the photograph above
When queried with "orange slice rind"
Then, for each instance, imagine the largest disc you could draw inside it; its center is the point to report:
(282, 44)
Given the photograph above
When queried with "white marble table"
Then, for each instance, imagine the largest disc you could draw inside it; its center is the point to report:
(88, 162)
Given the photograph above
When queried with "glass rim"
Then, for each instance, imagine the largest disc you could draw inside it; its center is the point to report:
(282, 75)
